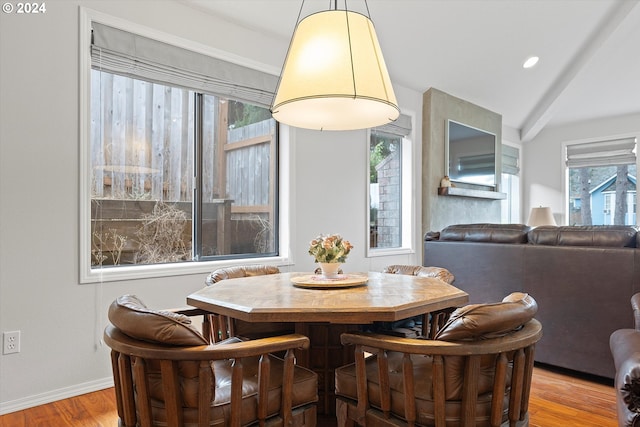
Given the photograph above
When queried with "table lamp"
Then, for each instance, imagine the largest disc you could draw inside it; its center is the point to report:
(541, 216)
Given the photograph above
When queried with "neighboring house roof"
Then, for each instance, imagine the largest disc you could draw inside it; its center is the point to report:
(609, 184)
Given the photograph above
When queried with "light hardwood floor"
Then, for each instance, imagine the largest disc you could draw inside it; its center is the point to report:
(557, 400)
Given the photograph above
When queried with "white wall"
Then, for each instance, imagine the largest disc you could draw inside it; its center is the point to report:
(543, 161)
(441, 211)
(61, 320)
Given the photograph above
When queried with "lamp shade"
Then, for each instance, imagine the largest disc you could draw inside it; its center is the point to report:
(541, 216)
(334, 76)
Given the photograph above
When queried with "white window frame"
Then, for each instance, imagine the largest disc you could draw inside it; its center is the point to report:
(565, 168)
(407, 200)
(95, 275)
(609, 200)
(511, 207)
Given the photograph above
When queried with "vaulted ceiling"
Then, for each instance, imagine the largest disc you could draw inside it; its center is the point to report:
(474, 49)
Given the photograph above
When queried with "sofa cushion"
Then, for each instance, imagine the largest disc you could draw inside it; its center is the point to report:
(129, 314)
(481, 321)
(494, 233)
(617, 236)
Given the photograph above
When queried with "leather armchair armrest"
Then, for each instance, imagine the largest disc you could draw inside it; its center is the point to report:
(635, 304)
(625, 349)
(189, 311)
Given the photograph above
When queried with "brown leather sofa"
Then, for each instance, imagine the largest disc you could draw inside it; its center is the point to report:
(625, 349)
(581, 276)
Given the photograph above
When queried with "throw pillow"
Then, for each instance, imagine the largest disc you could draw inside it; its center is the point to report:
(482, 321)
(129, 314)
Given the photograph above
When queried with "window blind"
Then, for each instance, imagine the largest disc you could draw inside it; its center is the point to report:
(401, 126)
(132, 55)
(602, 153)
(510, 162)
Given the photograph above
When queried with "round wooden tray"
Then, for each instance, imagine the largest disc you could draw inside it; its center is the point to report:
(319, 282)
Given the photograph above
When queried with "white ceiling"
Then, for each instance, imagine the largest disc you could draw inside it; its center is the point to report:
(474, 49)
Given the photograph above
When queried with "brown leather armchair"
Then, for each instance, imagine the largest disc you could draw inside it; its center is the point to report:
(477, 372)
(420, 271)
(426, 325)
(240, 271)
(166, 373)
(224, 327)
(625, 349)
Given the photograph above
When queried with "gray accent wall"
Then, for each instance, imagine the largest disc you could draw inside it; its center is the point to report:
(440, 211)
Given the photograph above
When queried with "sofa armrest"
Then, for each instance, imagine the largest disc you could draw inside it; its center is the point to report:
(625, 349)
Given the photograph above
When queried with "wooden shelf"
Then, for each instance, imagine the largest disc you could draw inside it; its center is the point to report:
(468, 192)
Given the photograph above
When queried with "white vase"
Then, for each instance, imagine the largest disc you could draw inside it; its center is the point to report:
(330, 270)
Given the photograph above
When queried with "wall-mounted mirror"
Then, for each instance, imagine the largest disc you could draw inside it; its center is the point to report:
(470, 155)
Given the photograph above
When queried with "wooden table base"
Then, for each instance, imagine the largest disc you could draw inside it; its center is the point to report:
(324, 355)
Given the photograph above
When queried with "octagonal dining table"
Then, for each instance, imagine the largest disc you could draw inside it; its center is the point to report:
(323, 309)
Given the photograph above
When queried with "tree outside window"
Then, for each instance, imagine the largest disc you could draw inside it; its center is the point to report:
(602, 182)
(602, 195)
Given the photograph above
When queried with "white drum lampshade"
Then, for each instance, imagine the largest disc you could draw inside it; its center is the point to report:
(334, 76)
(541, 216)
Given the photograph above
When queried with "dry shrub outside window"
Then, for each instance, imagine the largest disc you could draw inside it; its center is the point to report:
(100, 243)
(161, 236)
(263, 242)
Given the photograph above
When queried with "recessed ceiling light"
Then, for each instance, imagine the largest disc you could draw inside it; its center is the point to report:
(530, 62)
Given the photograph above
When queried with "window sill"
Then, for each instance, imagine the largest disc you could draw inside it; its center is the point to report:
(372, 253)
(134, 272)
(467, 192)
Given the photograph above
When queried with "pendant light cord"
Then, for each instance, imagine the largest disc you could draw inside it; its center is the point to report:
(299, 14)
(346, 7)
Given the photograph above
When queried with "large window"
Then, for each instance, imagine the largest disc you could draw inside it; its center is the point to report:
(510, 184)
(602, 182)
(182, 161)
(144, 140)
(385, 181)
(390, 202)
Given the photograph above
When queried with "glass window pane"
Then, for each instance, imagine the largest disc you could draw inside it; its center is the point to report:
(510, 207)
(141, 168)
(239, 191)
(385, 190)
(143, 142)
(602, 195)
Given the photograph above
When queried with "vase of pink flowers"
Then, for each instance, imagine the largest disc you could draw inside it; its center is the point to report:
(330, 251)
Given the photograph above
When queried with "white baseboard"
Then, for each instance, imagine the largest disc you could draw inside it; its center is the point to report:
(54, 395)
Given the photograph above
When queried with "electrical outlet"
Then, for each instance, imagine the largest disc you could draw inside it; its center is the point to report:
(11, 342)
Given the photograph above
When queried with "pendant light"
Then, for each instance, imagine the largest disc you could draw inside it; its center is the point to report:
(334, 76)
